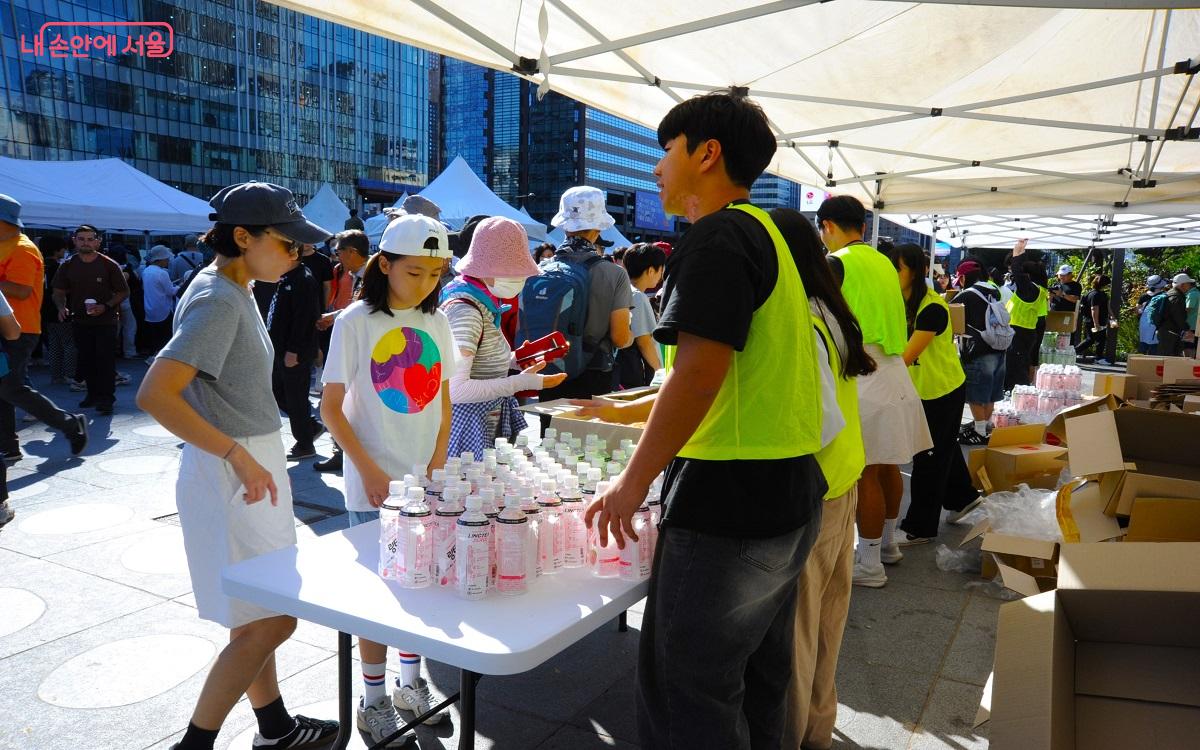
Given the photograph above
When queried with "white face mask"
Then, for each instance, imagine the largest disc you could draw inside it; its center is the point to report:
(506, 287)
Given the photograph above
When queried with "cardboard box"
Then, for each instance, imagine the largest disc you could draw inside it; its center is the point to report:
(1191, 404)
(1136, 453)
(1123, 386)
(563, 418)
(1081, 517)
(1160, 519)
(958, 320)
(1027, 566)
(1156, 370)
(1057, 429)
(1144, 367)
(1109, 659)
(1145, 390)
(1016, 455)
(1060, 322)
(949, 295)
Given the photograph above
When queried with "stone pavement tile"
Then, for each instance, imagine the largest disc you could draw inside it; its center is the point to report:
(878, 705)
(78, 687)
(151, 560)
(613, 714)
(129, 464)
(77, 521)
(42, 602)
(27, 488)
(573, 738)
(946, 722)
(884, 624)
(971, 654)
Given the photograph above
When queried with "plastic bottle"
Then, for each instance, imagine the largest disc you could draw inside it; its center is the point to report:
(453, 468)
(414, 553)
(435, 488)
(445, 533)
(475, 477)
(389, 530)
(474, 533)
(590, 486)
(606, 557)
(512, 548)
(654, 504)
(613, 469)
(488, 497)
(421, 472)
(637, 556)
(551, 529)
(533, 513)
(574, 530)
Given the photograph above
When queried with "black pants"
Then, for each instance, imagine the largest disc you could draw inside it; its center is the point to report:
(1170, 343)
(290, 386)
(587, 384)
(1020, 356)
(718, 635)
(156, 335)
(939, 475)
(1097, 339)
(96, 346)
(15, 392)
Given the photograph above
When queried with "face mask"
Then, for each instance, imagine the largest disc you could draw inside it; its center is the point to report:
(506, 288)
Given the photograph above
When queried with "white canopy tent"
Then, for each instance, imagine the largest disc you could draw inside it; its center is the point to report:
(460, 194)
(1058, 231)
(375, 225)
(326, 210)
(107, 193)
(1070, 107)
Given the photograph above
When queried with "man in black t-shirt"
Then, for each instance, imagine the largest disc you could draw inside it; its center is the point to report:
(321, 268)
(715, 658)
(1065, 292)
(1095, 314)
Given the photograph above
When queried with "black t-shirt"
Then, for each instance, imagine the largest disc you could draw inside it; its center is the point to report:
(933, 318)
(723, 269)
(321, 269)
(1060, 304)
(1095, 298)
(975, 309)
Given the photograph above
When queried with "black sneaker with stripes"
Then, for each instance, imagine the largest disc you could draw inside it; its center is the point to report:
(308, 733)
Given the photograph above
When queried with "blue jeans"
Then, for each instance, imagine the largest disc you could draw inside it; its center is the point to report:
(361, 517)
(715, 657)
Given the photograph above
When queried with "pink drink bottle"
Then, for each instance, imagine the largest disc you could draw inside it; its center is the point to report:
(637, 556)
(414, 554)
(606, 557)
(488, 496)
(574, 532)
(389, 530)
(445, 534)
(434, 488)
(512, 548)
(471, 551)
(552, 530)
(533, 514)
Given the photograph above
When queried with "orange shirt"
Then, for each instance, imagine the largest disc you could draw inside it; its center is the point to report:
(21, 263)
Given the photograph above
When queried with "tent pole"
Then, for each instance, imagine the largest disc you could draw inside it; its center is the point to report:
(1115, 302)
(875, 228)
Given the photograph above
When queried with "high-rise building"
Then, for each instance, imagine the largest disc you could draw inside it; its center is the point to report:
(251, 91)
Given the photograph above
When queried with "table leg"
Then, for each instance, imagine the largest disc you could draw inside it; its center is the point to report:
(466, 709)
(622, 623)
(345, 694)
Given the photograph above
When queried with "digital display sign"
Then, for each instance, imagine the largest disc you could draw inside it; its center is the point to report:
(648, 212)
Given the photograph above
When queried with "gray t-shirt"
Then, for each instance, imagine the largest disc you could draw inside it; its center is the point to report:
(609, 291)
(218, 331)
(643, 322)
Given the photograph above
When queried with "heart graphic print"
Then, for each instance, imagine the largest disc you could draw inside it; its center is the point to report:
(406, 369)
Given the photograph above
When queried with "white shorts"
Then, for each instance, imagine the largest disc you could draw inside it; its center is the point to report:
(893, 420)
(219, 528)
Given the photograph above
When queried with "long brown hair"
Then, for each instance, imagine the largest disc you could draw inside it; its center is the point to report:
(374, 289)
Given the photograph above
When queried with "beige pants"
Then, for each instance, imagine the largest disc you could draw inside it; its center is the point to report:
(822, 604)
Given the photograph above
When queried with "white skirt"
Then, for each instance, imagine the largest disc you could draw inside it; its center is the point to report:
(893, 420)
(219, 528)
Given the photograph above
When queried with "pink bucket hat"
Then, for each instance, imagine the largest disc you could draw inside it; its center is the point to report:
(499, 247)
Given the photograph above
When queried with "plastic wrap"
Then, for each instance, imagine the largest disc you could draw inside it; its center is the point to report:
(960, 560)
(1024, 512)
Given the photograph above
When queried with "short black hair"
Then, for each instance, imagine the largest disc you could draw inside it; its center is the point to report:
(354, 212)
(641, 257)
(86, 228)
(375, 286)
(354, 239)
(734, 121)
(220, 238)
(845, 211)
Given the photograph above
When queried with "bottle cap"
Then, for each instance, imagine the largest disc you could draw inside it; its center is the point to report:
(595, 475)
(512, 501)
(602, 487)
(548, 486)
(414, 494)
(570, 482)
(438, 475)
(474, 502)
(487, 494)
(420, 470)
(566, 437)
(409, 480)
(396, 488)
(468, 457)
(451, 494)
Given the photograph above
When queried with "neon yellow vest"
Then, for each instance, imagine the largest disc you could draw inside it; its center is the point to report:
(938, 370)
(871, 287)
(1024, 314)
(769, 406)
(842, 461)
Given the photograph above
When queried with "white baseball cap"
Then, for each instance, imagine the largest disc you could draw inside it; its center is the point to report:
(1182, 278)
(1064, 270)
(583, 208)
(415, 234)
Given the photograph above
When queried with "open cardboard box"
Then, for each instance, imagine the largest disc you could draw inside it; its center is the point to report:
(1163, 519)
(1061, 322)
(563, 418)
(1058, 426)
(1136, 453)
(1108, 660)
(1016, 455)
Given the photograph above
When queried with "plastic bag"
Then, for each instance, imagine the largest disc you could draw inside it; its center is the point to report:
(1026, 512)
(961, 560)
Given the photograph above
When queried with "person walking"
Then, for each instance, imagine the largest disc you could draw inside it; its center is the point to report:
(88, 290)
(1172, 318)
(22, 281)
(292, 325)
(159, 299)
(983, 364)
(1095, 313)
(211, 386)
(1156, 286)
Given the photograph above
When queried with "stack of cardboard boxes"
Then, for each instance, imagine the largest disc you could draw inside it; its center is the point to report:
(1149, 372)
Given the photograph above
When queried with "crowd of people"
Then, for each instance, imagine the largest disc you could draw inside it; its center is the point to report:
(777, 441)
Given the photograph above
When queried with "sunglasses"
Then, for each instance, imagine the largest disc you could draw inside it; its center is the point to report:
(292, 247)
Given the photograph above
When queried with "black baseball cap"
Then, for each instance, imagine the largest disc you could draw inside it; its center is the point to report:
(264, 204)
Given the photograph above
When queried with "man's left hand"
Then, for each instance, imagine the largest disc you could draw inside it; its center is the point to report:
(616, 508)
(290, 359)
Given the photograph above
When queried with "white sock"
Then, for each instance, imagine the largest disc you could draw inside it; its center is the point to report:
(868, 552)
(889, 531)
(410, 669)
(981, 427)
(374, 682)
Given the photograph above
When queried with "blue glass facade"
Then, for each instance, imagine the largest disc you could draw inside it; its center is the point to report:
(252, 91)
(772, 191)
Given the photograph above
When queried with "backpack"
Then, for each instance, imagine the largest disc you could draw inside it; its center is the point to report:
(1157, 309)
(557, 300)
(997, 332)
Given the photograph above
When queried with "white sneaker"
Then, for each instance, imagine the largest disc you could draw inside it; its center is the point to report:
(890, 554)
(123, 378)
(380, 720)
(872, 578)
(418, 700)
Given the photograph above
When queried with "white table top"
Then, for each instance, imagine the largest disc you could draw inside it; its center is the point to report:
(332, 581)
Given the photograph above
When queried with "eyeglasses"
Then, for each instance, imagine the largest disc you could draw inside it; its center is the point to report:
(292, 247)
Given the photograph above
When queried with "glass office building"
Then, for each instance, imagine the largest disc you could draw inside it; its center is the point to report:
(252, 91)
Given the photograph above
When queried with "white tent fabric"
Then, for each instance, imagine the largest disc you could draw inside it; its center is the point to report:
(107, 193)
(460, 194)
(612, 234)
(1058, 232)
(981, 106)
(375, 225)
(326, 210)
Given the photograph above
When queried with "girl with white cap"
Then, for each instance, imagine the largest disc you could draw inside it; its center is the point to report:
(494, 269)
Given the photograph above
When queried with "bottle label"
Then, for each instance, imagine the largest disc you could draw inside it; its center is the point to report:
(511, 557)
(444, 538)
(472, 560)
(414, 554)
(576, 539)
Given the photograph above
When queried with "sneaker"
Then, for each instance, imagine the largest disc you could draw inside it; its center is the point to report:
(1103, 361)
(123, 378)
(299, 453)
(418, 700)
(12, 456)
(6, 513)
(78, 436)
(971, 437)
(909, 540)
(890, 554)
(380, 720)
(308, 733)
(874, 578)
(957, 515)
(78, 386)
(333, 463)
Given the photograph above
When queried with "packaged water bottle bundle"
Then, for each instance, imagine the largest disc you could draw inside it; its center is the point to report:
(498, 522)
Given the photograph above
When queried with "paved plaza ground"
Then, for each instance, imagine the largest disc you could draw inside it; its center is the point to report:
(101, 649)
